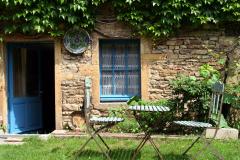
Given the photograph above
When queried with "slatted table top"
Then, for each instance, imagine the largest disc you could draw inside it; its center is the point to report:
(149, 108)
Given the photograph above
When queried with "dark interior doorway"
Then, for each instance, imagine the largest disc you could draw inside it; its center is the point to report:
(48, 87)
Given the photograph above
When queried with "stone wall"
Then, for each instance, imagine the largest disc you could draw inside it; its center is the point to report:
(72, 84)
(234, 70)
(183, 54)
(72, 97)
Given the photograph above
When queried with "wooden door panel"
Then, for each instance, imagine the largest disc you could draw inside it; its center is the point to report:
(24, 88)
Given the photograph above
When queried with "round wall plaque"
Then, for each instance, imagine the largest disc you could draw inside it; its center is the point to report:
(76, 40)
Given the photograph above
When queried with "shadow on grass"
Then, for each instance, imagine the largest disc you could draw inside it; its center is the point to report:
(123, 154)
(173, 156)
(115, 154)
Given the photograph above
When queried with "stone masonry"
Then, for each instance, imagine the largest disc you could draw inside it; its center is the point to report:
(183, 54)
(72, 97)
(72, 85)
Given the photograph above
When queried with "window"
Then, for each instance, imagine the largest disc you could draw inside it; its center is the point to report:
(25, 72)
(120, 69)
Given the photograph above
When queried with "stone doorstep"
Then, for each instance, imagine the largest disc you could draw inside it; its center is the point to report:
(65, 134)
(223, 133)
(12, 139)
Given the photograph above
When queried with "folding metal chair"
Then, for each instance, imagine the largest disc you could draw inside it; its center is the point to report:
(96, 124)
(214, 118)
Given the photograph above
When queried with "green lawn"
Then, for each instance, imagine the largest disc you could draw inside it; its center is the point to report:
(67, 149)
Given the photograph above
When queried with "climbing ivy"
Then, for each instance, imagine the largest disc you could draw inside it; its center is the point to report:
(155, 18)
(163, 17)
(45, 16)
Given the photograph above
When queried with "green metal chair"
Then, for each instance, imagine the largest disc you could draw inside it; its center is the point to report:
(96, 124)
(214, 118)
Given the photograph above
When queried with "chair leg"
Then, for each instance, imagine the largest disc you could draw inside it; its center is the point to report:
(156, 149)
(93, 136)
(83, 146)
(206, 146)
(105, 144)
(90, 138)
(195, 141)
(217, 153)
(209, 146)
(214, 150)
(106, 154)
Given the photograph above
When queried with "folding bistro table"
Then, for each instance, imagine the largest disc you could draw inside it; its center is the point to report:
(148, 130)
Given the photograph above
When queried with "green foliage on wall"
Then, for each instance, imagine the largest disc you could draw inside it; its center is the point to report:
(155, 18)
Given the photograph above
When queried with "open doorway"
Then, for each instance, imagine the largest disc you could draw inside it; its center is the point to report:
(31, 89)
(48, 88)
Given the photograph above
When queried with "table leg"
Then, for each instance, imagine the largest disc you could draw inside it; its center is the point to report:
(141, 144)
(147, 137)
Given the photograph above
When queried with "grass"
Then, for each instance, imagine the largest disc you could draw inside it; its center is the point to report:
(68, 149)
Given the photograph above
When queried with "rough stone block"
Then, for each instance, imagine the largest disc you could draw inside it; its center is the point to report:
(171, 43)
(213, 38)
(59, 132)
(223, 133)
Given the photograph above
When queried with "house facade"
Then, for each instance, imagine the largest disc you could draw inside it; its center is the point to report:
(42, 84)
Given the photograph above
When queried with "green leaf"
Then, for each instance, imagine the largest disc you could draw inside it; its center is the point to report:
(61, 1)
(223, 122)
(222, 61)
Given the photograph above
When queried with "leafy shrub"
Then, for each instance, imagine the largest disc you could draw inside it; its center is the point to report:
(236, 125)
(129, 125)
(192, 95)
(232, 95)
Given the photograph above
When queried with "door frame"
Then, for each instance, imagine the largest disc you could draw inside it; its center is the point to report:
(57, 74)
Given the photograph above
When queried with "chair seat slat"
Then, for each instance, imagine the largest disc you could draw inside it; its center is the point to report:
(193, 124)
(150, 108)
(138, 108)
(134, 107)
(146, 108)
(154, 108)
(106, 119)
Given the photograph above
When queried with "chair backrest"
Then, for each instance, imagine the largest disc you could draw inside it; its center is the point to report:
(87, 98)
(216, 102)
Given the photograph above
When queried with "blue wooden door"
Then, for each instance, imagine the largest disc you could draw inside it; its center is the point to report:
(24, 86)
